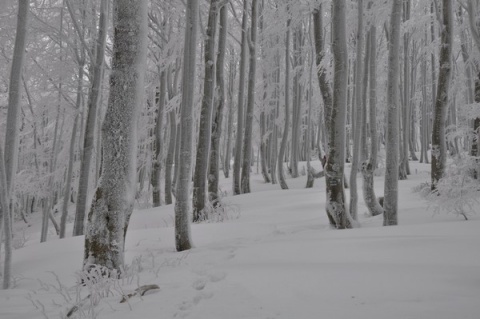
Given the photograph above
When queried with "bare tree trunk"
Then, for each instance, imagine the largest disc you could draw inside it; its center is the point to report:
(334, 168)
(182, 204)
(390, 203)
(205, 126)
(170, 157)
(68, 182)
(231, 84)
(439, 153)
(9, 160)
(357, 119)
(283, 145)
(89, 138)
(368, 168)
(158, 141)
(247, 140)
(4, 207)
(214, 167)
(237, 164)
(112, 205)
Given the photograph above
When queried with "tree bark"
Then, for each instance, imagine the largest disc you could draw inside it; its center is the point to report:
(112, 205)
(237, 164)
(336, 208)
(357, 119)
(439, 153)
(390, 204)
(89, 138)
(205, 126)
(158, 142)
(182, 204)
(247, 140)
(283, 145)
(214, 167)
(368, 168)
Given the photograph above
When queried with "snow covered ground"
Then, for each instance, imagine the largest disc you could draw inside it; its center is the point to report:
(278, 259)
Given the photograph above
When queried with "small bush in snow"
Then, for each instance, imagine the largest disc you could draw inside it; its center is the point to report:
(219, 210)
(458, 191)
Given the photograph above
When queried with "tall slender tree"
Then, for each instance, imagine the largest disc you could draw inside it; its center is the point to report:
(334, 168)
(247, 140)
(205, 126)
(182, 185)
(9, 161)
(89, 137)
(390, 203)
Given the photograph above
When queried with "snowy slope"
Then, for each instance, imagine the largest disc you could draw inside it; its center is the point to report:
(278, 259)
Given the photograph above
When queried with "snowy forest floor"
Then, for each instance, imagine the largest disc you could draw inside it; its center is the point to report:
(275, 257)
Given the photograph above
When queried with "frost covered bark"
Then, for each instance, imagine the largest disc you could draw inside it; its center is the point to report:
(334, 168)
(214, 167)
(113, 201)
(390, 204)
(182, 184)
(439, 145)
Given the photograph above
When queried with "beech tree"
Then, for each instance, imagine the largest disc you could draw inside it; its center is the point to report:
(113, 201)
(182, 204)
(205, 126)
(390, 204)
(334, 167)
(439, 156)
(9, 160)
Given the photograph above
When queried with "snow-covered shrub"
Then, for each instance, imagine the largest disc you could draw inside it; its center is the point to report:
(459, 190)
(219, 210)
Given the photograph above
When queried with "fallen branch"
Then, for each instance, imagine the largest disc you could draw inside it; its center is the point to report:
(139, 291)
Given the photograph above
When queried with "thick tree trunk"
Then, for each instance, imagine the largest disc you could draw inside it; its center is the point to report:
(247, 140)
(182, 204)
(390, 203)
(439, 153)
(114, 197)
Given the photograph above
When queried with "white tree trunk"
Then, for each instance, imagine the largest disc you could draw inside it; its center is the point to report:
(113, 202)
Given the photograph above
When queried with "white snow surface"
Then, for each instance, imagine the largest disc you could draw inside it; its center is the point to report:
(278, 259)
